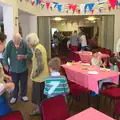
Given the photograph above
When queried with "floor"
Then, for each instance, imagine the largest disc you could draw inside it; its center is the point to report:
(77, 107)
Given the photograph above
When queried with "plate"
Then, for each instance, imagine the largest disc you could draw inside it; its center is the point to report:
(68, 64)
(93, 72)
(85, 64)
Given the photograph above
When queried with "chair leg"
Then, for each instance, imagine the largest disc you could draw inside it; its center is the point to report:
(98, 102)
(88, 99)
(105, 99)
(110, 101)
(71, 104)
(114, 111)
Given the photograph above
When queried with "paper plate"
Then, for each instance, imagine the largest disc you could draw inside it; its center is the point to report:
(86, 64)
(68, 64)
(93, 72)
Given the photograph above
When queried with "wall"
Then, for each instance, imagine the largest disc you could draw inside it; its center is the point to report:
(44, 34)
(116, 28)
(37, 11)
(13, 4)
(63, 26)
(28, 24)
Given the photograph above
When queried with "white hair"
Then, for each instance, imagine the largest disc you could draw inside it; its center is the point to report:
(32, 38)
(17, 35)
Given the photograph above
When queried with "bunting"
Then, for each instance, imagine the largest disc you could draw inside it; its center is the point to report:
(79, 8)
(42, 5)
(37, 2)
(32, 2)
(59, 7)
(47, 5)
(113, 3)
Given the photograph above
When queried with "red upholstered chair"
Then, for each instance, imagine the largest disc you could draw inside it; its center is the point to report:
(118, 64)
(117, 110)
(108, 52)
(54, 109)
(102, 50)
(75, 92)
(12, 116)
(63, 60)
(113, 93)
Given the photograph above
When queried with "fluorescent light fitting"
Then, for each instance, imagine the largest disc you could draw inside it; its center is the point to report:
(58, 19)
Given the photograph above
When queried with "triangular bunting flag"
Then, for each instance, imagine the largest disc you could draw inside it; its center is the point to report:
(37, 2)
(92, 11)
(40, 2)
(78, 11)
(82, 7)
(32, 2)
(73, 7)
(70, 6)
(55, 4)
(59, 7)
(47, 5)
(42, 5)
(90, 6)
(113, 3)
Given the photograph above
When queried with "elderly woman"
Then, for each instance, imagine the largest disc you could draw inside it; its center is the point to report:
(18, 52)
(39, 70)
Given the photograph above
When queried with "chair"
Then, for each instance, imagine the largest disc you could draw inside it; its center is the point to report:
(75, 92)
(102, 50)
(108, 52)
(118, 64)
(54, 109)
(12, 116)
(63, 60)
(113, 93)
(117, 110)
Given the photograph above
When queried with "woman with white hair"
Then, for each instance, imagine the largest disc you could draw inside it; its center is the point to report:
(39, 70)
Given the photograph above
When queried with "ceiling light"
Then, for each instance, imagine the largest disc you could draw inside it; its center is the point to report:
(92, 18)
(58, 19)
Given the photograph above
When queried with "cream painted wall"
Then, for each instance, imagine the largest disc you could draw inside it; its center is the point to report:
(28, 24)
(68, 26)
(37, 11)
(13, 4)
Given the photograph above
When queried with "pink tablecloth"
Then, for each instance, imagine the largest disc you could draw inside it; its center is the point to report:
(90, 114)
(77, 74)
(87, 56)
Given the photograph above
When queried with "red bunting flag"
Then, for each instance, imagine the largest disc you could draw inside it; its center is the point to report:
(78, 11)
(40, 2)
(32, 2)
(47, 4)
(113, 3)
(92, 11)
(73, 7)
(70, 6)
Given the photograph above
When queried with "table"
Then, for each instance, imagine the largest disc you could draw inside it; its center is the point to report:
(77, 73)
(90, 114)
(86, 56)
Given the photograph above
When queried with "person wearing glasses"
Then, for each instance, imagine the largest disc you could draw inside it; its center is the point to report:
(18, 52)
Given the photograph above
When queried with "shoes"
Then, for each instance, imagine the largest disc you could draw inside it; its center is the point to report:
(25, 99)
(13, 100)
(34, 113)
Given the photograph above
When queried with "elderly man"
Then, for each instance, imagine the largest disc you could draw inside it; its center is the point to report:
(18, 52)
